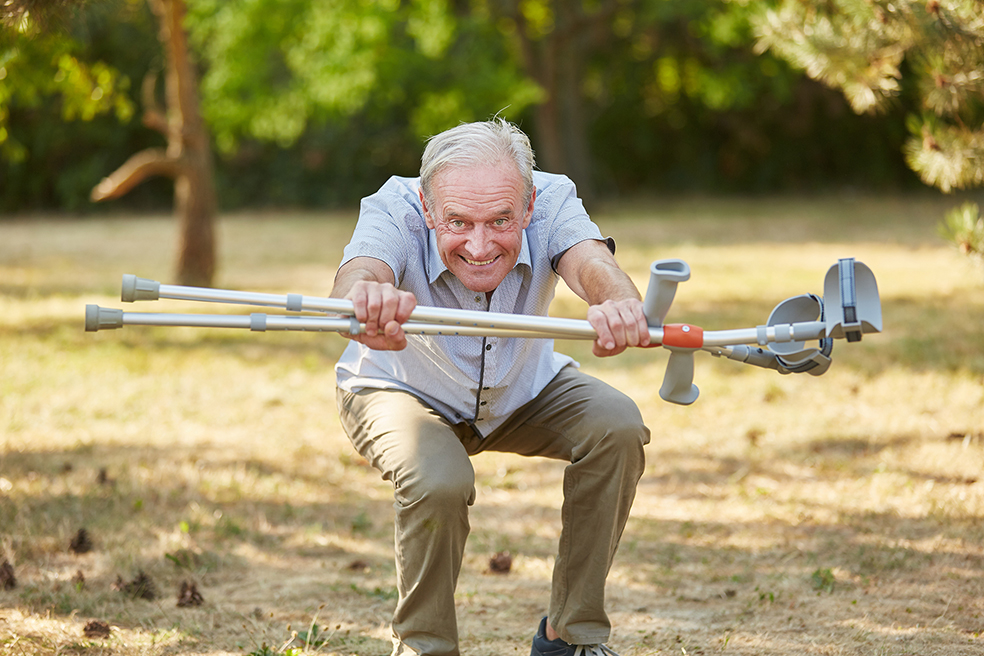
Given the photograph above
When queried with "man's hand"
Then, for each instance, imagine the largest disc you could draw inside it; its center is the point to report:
(619, 324)
(383, 308)
(614, 304)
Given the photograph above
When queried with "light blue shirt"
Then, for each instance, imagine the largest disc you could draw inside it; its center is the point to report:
(476, 380)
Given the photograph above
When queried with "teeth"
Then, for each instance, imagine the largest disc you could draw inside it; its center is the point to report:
(477, 263)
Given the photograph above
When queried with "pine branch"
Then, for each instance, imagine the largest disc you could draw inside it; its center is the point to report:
(947, 157)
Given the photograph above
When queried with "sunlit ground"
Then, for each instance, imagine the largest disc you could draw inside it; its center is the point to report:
(839, 514)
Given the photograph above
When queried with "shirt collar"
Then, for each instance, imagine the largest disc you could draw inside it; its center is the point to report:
(435, 265)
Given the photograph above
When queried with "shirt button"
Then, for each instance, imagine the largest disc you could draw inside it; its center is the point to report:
(485, 402)
(478, 299)
(488, 347)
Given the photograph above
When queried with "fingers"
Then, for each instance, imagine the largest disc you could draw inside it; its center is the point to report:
(383, 309)
(407, 302)
(391, 339)
(619, 324)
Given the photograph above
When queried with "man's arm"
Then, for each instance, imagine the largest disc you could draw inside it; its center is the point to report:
(615, 306)
(370, 285)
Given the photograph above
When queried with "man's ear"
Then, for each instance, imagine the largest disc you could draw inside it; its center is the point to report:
(529, 210)
(427, 216)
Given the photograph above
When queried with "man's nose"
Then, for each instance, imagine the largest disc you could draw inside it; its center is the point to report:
(478, 240)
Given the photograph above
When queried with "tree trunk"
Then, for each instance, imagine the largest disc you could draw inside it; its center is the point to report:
(556, 62)
(194, 188)
(188, 158)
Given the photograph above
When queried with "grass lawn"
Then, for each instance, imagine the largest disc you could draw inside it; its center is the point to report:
(835, 515)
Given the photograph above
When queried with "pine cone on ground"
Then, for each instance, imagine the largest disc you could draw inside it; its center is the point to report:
(96, 629)
(81, 543)
(501, 563)
(7, 579)
(141, 587)
(189, 595)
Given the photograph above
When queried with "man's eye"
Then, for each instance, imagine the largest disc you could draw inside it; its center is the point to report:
(501, 222)
(456, 224)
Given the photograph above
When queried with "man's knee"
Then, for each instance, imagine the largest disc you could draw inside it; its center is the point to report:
(440, 488)
(617, 415)
(614, 426)
(626, 435)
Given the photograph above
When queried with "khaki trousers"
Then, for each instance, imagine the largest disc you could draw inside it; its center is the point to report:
(576, 418)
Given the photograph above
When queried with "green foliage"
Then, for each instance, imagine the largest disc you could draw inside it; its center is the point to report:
(681, 101)
(823, 580)
(67, 102)
(275, 69)
(382, 594)
(868, 48)
(309, 641)
(947, 156)
(36, 66)
(964, 227)
(843, 48)
(315, 102)
(315, 636)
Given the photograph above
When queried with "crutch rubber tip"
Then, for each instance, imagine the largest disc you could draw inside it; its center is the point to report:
(139, 289)
(97, 318)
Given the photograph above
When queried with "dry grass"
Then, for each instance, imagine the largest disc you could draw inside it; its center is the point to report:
(778, 515)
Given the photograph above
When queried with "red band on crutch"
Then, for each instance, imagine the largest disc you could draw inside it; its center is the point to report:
(683, 335)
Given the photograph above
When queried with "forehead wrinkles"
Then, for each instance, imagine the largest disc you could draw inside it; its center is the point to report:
(452, 211)
(477, 192)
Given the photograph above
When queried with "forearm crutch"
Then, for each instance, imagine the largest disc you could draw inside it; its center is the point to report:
(849, 309)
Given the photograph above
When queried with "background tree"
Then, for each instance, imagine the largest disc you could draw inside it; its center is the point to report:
(621, 95)
(646, 94)
(870, 49)
(555, 40)
(280, 71)
(315, 102)
(187, 158)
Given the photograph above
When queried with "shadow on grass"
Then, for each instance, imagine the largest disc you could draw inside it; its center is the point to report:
(874, 565)
(272, 556)
(829, 459)
(262, 556)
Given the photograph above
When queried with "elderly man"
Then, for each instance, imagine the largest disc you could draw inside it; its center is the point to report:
(481, 230)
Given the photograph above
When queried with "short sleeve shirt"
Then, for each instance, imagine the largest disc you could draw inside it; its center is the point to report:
(480, 381)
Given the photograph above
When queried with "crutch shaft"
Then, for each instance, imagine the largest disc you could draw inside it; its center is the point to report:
(98, 318)
(139, 289)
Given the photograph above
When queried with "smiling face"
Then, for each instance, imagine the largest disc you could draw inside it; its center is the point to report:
(478, 217)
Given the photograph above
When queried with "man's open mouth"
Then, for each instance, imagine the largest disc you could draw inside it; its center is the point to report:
(480, 263)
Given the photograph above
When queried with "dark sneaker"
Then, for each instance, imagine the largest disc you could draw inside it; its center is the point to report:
(544, 647)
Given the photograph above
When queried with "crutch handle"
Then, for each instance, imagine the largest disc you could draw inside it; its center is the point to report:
(664, 275)
(678, 381)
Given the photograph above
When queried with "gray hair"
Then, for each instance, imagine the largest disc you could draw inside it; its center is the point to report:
(469, 144)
